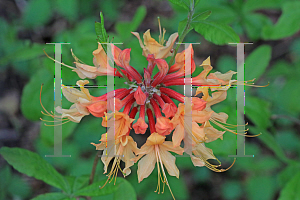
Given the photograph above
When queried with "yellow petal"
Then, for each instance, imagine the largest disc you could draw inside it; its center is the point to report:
(155, 138)
(197, 161)
(168, 146)
(206, 62)
(146, 166)
(169, 162)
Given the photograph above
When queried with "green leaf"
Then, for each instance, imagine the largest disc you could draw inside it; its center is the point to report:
(288, 23)
(104, 34)
(100, 30)
(51, 196)
(251, 5)
(232, 190)
(180, 3)
(291, 190)
(201, 16)
(196, 2)
(254, 24)
(47, 132)
(94, 189)
(138, 18)
(257, 62)
(269, 140)
(125, 191)
(78, 182)
(32, 52)
(19, 187)
(261, 187)
(33, 165)
(30, 102)
(215, 32)
(197, 17)
(122, 190)
(5, 180)
(124, 29)
(68, 9)
(181, 27)
(37, 13)
(288, 173)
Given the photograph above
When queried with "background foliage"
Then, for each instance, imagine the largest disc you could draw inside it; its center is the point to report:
(272, 26)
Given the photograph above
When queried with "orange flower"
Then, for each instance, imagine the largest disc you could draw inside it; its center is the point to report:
(125, 149)
(140, 126)
(81, 100)
(180, 125)
(140, 96)
(151, 46)
(163, 126)
(156, 150)
(118, 122)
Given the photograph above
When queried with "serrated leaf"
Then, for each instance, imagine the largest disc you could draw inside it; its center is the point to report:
(104, 34)
(288, 23)
(201, 16)
(291, 190)
(98, 30)
(180, 3)
(215, 32)
(51, 196)
(33, 165)
(30, 102)
(257, 62)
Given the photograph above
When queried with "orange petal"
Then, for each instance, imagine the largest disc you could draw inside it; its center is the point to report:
(140, 96)
(163, 126)
(140, 126)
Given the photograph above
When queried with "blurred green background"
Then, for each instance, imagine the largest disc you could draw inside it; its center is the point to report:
(272, 26)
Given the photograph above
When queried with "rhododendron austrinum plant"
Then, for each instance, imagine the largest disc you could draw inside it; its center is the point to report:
(148, 95)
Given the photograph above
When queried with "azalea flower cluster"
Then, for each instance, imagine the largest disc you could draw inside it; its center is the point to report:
(148, 95)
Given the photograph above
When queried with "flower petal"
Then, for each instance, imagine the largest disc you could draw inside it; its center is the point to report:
(146, 166)
(169, 162)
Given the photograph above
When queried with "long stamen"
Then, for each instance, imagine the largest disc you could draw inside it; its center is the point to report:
(57, 61)
(164, 174)
(223, 127)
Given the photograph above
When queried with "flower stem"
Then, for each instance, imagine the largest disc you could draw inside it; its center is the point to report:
(94, 167)
(185, 31)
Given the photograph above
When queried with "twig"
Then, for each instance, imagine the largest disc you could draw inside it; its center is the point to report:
(94, 167)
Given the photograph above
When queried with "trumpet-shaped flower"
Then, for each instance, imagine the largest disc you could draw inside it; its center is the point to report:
(151, 46)
(125, 151)
(157, 151)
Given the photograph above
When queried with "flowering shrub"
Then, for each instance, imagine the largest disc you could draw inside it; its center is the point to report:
(149, 95)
